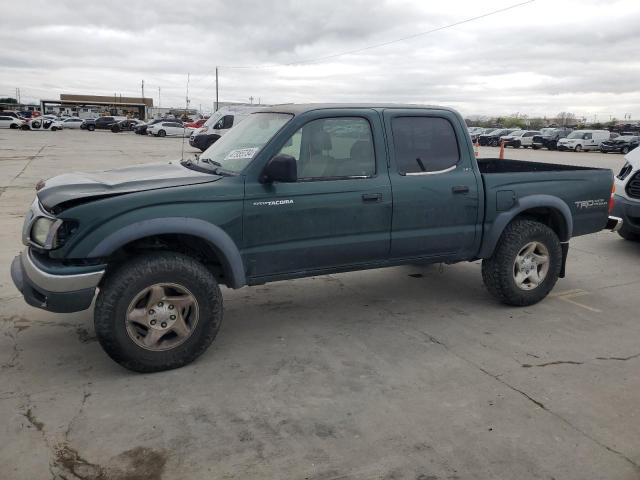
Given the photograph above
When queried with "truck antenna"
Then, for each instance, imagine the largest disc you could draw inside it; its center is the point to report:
(186, 107)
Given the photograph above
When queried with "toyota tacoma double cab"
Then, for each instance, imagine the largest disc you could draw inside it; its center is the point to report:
(295, 191)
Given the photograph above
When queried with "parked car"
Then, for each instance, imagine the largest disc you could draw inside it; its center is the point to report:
(627, 197)
(622, 144)
(548, 137)
(102, 123)
(580, 140)
(197, 124)
(72, 122)
(42, 123)
(169, 129)
(295, 191)
(10, 113)
(127, 125)
(520, 138)
(87, 121)
(218, 124)
(142, 128)
(493, 138)
(7, 121)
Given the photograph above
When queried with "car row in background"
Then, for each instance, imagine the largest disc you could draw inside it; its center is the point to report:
(142, 128)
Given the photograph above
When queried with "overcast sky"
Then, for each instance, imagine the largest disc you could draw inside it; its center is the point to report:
(545, 57)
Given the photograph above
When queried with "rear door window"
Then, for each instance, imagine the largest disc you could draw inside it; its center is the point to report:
(424, 145)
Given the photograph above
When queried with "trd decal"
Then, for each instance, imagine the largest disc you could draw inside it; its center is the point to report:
(600, 202)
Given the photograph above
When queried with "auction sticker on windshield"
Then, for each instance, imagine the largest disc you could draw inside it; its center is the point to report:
(241, 153)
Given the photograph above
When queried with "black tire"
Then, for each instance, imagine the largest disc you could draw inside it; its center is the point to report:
(578, 148)
(123, 284)
(162, 133)
(535, 147)
(13, 126)
(115, 129)
(91, 128)
(494, 143)
(517, 144)
(627, 234)
(53, 129)
(25, 127)
(624, 150)
(498, 271)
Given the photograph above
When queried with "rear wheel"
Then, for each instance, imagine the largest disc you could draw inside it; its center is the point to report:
(24, 127)
(91, 128)
(158, 312)
(525, 265)
(53, 129)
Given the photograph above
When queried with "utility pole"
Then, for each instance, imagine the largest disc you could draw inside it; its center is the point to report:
(159, 103)
(142, 88)
(216, 109)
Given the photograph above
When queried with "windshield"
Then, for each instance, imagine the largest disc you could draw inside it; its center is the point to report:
(235, 150)
(576, 135)
(517, 133)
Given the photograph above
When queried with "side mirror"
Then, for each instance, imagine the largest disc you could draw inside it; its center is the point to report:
(281, 168)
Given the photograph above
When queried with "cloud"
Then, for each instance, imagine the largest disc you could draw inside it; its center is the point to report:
(538, 59)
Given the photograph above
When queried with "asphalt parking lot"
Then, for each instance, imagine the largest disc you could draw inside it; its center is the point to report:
(402, 373)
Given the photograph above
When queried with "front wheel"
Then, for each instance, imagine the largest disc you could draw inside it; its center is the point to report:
(162, 133)
(578, 148)
(13, 126)
(158, 312)
(525, 265)
(91, 128)
(625, 150)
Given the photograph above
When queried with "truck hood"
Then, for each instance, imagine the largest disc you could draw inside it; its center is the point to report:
(137, 178)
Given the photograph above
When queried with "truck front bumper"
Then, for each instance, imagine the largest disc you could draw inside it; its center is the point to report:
(628, 211)
(50, 288)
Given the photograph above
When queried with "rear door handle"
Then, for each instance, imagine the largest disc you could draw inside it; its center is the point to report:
(460, 189)
(371, 197)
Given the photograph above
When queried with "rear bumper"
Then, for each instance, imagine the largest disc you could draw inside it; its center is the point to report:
(614, 224)
(628, 211)
(50, 291)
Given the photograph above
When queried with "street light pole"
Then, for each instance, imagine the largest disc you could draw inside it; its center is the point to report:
(216, 109)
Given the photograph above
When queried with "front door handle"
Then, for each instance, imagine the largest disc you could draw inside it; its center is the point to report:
(460, 189)
(371, 197)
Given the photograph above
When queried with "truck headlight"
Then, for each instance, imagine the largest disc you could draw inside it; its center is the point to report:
(42, 231)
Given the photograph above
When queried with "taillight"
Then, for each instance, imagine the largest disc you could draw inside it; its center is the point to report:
(611, 200)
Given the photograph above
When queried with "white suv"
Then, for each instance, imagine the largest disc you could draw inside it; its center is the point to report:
(627, 196)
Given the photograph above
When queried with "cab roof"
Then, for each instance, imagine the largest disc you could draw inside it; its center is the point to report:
(298, 108)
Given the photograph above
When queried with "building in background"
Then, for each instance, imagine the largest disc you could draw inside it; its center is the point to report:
(85, 106)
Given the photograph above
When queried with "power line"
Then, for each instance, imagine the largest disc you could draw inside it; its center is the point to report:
(368, 47)
(383, 44)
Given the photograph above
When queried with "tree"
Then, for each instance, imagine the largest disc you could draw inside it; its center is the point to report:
(8, 100)
(565, 118)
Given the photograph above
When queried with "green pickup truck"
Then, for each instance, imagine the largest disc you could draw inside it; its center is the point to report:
(295, 191)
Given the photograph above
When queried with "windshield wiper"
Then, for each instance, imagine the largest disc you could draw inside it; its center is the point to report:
(218, 170)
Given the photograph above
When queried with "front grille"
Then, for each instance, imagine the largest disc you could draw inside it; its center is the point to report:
(633, 187)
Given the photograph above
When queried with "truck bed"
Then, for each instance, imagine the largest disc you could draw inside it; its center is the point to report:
(495, 165)
(584, 190)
